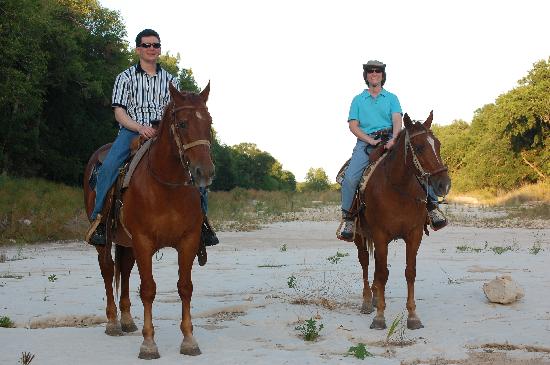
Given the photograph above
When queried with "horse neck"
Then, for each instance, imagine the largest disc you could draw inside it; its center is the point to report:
(399, 166)
(165, 158)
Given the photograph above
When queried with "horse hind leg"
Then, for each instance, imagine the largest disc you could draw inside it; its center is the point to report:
(363, 255)
(189, 345)
(107, 266)
(126, 263)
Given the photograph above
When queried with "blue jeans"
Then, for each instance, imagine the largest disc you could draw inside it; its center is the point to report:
(108, 171)
(358, 163)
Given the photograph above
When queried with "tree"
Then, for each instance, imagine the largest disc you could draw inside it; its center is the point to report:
(316, 180)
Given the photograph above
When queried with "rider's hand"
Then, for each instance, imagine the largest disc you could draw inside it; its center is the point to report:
(390, 144)
(373, 142)
(146, 132)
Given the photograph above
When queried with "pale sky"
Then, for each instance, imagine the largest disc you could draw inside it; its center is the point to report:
(283, 73)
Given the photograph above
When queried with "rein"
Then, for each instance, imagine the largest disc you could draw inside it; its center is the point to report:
(181, 151)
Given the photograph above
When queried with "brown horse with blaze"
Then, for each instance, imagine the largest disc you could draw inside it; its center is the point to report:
(396, 209)
(161, 208)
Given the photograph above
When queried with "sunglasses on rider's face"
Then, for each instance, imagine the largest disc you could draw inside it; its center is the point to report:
(374, 70)
(147, 45)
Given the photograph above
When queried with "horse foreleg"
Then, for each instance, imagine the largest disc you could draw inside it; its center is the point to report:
(363, 256)
(107, 267)
(381, 273)
(148, 290)
(126, 264)
(189, 345)
(413, 243)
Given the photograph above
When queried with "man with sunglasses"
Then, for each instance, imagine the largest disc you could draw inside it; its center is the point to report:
(140, 94)
(374, 115)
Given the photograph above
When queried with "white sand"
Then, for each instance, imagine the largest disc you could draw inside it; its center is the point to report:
(242, 306)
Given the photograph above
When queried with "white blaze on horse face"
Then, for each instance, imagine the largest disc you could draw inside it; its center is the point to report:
(198, 114)
(431, 141)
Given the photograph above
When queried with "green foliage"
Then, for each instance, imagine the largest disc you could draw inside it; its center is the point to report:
(507, 144)
(26, 358)
(291, 282)
(52, 278)
(309, 329)
(283, 248)
(6, 322)
(397, 328)
(360, 351)
(535, 249)
(316, 180)
(334, 259)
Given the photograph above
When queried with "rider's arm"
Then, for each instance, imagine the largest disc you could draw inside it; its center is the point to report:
(354, 128)
(397, 121)
(124, 119)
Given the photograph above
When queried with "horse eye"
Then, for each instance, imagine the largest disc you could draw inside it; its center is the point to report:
(419, 149)
(182, 125)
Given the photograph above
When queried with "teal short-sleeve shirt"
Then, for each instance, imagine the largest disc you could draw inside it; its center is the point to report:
(374, 114)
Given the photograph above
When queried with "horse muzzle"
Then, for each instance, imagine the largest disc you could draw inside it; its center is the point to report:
(441, 184)
(203, 174)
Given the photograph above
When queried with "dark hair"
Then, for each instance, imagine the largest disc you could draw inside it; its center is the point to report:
(383, 75)
(146, 33)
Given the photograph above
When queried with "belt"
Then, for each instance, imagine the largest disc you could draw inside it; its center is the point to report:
(382, 132)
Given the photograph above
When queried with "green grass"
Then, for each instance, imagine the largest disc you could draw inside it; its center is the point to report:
(38, 210)
(6, 322)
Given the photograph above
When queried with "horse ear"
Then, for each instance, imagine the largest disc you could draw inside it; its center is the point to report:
(173, 91)
(428, 122)
(205, 92)
(408, 122)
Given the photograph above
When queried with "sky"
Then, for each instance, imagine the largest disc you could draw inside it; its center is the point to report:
(283, 73)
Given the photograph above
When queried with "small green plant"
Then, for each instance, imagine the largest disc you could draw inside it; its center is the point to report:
(334, 259)
(26, 358)
(500, 250)
(535, 249)
(6, 322)
(52, 278)
(283, 248)
(309, 329)
(397, 327)
(291, 281)
(360, 351)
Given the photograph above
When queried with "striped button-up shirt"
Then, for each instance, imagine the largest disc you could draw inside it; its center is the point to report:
(144, 97)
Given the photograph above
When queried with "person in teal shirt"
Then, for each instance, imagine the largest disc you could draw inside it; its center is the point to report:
(375, 114)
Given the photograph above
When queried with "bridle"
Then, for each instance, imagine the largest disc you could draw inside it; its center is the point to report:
(182, 147)
(424, 175)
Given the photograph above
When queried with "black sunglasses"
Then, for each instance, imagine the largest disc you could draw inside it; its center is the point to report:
(147, 45)
(374, 70)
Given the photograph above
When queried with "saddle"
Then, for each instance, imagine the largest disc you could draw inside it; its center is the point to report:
(112, 208)
(375, 157)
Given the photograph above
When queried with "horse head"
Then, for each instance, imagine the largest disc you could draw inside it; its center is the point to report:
(191, 126)
(425, 148)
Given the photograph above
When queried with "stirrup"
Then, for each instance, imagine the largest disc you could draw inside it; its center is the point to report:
(437, 219)
(93, 227)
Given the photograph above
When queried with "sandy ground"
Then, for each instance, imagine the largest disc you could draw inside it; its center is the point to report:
(245, 313)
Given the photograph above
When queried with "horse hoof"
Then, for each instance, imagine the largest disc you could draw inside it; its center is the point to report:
(378, 323)
(367, 308)
(414, 324)
(148, 352)
(129, 327)
(113, 329)
(190, 349)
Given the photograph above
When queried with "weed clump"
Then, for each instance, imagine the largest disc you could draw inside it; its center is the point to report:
(310, 329)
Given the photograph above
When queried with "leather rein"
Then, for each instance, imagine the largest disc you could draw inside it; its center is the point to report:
(181, 150)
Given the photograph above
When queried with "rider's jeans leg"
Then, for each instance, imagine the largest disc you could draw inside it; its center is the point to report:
(108, 171)
(204, 199)
(359, 160)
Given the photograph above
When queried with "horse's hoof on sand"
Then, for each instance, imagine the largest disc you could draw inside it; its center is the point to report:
(414, 324)
(113, 329)
(191, 350)
(367, 309)
(148, 352)
(378, 323)
(129, 327)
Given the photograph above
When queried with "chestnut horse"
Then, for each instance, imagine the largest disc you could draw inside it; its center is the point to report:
(161, 208)
(396, 208)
